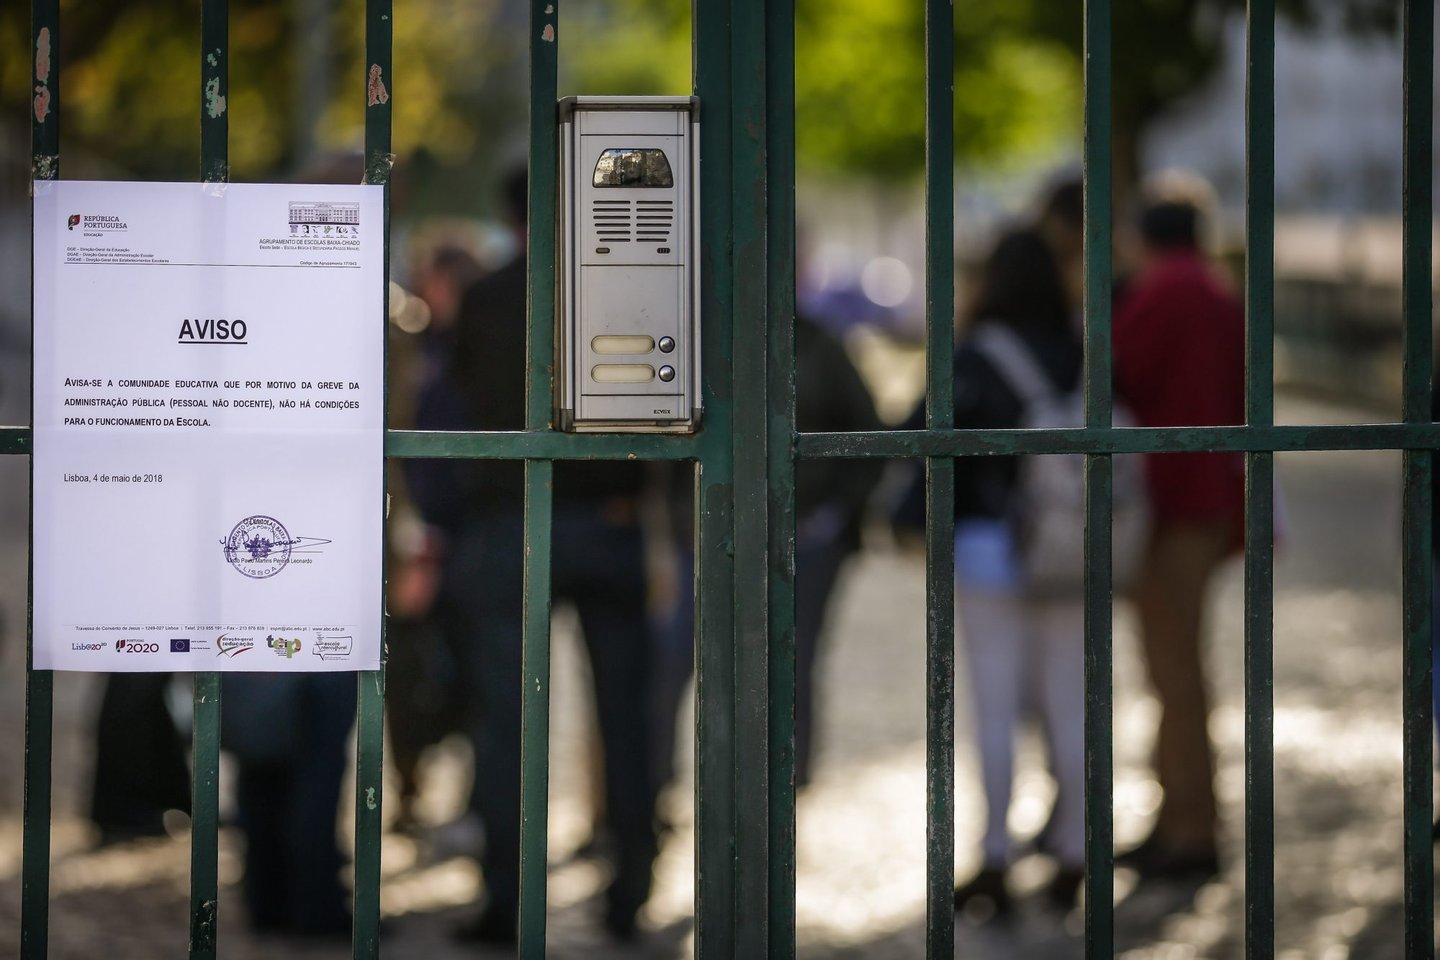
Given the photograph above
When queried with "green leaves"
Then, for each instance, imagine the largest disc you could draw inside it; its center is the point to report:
(131, 78)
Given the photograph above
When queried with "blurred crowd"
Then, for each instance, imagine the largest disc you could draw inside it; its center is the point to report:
(623, 558)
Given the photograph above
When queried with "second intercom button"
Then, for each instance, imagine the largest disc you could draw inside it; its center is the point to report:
(667, 344)
(667, 373)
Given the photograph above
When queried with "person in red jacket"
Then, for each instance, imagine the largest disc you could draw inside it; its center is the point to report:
(1179, 358)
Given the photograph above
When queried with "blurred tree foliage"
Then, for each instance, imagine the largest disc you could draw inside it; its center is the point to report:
(129, 86)
(1164, 50)
(860, 81)
(131, 72)
(859, 76)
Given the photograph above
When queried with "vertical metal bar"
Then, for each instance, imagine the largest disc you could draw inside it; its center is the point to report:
(715, 875)
(35, 871)
(39, 684)
(535, 708)
(940, 479)
(543, 184)
(540, 334)
(370, 685)
(205, 818)
(214, 91)
(780, 284)
(715, 870)
(1260, 483)
(369, 771)
(1099, 643)
(205, 745)
(35, 876)
(748, 123)
(1417, 585)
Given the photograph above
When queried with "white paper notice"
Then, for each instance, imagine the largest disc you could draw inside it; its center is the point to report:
(208, 432)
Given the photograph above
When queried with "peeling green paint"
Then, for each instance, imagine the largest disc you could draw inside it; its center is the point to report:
(214, 101)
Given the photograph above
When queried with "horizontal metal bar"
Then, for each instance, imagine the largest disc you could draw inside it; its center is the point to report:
(14, 440)
(540, 445)
(493, 445)
(982, 443)
(504, 445)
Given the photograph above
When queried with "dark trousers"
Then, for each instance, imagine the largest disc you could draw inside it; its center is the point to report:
(424, 698)
(288, 800)
(598, 565)
(140, 769)
(1435, 646)
(817, 567)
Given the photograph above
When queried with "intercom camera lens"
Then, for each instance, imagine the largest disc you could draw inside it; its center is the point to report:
(667, 373)
(667, 344)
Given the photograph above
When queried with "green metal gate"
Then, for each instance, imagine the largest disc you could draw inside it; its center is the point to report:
(745, 458)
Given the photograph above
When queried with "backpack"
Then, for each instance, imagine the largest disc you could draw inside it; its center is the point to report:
(1048, 510)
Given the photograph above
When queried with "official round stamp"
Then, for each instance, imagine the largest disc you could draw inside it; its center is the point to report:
(258, 547)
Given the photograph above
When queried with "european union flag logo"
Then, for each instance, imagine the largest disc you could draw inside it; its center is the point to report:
(181, 645)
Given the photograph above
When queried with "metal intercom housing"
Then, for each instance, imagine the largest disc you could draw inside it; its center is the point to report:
(628, 342)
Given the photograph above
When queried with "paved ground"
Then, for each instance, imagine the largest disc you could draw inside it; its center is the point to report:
(861, 825)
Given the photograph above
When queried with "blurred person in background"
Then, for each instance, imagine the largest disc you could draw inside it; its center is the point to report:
(140, 764)
(830, 500)
(288, 735)
(1018, 647)
(424, 700)
(1179, 355)
(1062, 224)
(597, 563)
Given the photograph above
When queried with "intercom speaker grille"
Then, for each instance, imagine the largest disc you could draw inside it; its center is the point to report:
(613, 221)
(654, 220)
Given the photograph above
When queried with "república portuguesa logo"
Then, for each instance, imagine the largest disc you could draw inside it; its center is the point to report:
(95, 222)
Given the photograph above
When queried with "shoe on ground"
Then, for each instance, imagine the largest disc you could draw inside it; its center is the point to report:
(1064, 887)
(494, 925)
(1154, 860)
(624, 897)
(620, 923)
(1141, 851)
(462, 837)
(984, 896)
